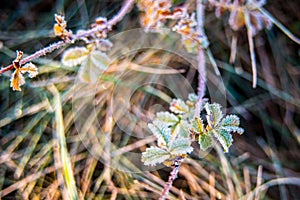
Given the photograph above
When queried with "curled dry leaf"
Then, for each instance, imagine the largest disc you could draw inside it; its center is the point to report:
(60, 28)
(17, 79)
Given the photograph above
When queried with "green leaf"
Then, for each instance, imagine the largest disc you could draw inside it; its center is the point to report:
(233, 129)
(92, 67)
(154, 155)
(181, 130)
(74, 56)
(193, 97)
(231, 120)
(181, 146)
(214, 114)
(178, 106)
(168, 118)
(230, 123)
(224, 137)
(161, 131)
(198, 125)
(205, 141)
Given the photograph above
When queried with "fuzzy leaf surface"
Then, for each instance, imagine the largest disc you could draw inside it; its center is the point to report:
(214, 114)
(74, 56)
(93, 66)
(154, 155)
(224, 137)
(161, 131)
(178, 106)
(205, 141)
(181, 146)
(167, 117)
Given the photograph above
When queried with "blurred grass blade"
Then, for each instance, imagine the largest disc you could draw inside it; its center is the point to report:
(64, 156)
(31, 146)
(274, 182)
(213, 61)
(279, 25)
(251, 49)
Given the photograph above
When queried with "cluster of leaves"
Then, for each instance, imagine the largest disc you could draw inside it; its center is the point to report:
(155, 14)
(60, 28)
(176, 130)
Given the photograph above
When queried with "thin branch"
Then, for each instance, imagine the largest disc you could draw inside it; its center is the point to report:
(201, 58)
(124, 10)
(172, 177)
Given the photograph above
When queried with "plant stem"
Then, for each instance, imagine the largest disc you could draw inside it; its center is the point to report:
(200, 58)
(200, 92)
(169, 184)
(123, 11)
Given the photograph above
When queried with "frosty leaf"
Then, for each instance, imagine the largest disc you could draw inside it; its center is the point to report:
(233, 129)
(230, 123)
(74, 56)
(181, 130)
(154, 155)
(214, 114)
(101, 60)
(231, 120)
(193, 97)
(197, 124)
(224, 137)
(92, 67)
(178, 106)
(181, 146)
(16, 80)
(161, 131)
(30, 68)
(205, 141)
(168, 118)
(192, 100)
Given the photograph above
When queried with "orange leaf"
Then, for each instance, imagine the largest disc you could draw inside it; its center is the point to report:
(17, 80)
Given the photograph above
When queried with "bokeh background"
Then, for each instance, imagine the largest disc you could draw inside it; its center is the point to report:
(268, 151)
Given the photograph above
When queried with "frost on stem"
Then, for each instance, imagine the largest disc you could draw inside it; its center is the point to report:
(17, 78)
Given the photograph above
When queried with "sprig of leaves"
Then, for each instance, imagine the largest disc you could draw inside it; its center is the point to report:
(176, 130)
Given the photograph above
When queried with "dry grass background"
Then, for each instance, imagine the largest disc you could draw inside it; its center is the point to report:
(262, 164)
